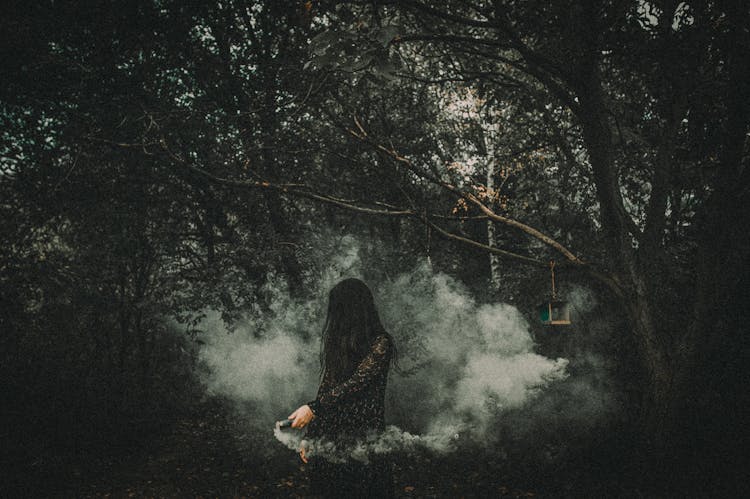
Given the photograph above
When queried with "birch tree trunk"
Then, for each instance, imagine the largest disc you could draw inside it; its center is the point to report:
(495, 279)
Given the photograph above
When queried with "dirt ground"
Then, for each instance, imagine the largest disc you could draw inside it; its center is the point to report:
(204, 455)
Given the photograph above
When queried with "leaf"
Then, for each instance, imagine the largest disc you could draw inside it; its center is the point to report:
(387, 34)
(321, 42)
(356, 65)
(385, 70)
(324, 60)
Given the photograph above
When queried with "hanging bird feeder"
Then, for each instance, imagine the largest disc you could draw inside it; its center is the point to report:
(555, 312)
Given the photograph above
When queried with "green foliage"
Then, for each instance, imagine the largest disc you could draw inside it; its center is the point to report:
(115, 243)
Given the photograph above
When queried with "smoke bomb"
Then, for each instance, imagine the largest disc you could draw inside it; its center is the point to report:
(286, 423)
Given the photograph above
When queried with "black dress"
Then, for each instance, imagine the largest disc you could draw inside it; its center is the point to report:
(348, 411)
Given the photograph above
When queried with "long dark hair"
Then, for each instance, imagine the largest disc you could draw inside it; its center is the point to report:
(351, 325)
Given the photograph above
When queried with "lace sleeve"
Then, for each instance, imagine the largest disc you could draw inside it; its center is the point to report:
(374, 364)
(325, 384)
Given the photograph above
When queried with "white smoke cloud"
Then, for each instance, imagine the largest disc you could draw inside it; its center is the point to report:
(465, 362)
(474, 361)
(264, 361)
(393, 439)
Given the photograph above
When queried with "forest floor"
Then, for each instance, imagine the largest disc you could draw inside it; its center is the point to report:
(204, 456)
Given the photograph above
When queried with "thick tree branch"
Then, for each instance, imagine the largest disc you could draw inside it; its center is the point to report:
(296, 190)
(446, 16)
(445, 38)
(330, 200)
(657, 205)
(533, 66)
(362, 135)
(490, 249)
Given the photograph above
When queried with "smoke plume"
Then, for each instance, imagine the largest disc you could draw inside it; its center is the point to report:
(462, 363)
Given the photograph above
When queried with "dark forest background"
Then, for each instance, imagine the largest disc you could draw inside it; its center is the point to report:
(159, 158)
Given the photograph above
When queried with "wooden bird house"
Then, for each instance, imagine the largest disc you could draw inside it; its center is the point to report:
(555, 312)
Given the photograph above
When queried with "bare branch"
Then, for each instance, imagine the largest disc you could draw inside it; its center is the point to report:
(362, 135)
(482, 246)
(297, 190)
(424, 37)
(391, 211)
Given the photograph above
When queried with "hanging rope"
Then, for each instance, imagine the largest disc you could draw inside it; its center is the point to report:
(429, 245)
(552, 272)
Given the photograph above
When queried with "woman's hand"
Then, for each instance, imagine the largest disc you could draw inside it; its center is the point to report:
(301, 417)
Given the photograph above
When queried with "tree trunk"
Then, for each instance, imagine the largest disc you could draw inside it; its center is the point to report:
(267, 73)
(715, 347)
(495, 269)
(631, 275)
(655, 414)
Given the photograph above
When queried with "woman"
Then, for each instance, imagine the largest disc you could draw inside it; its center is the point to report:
(355, 355)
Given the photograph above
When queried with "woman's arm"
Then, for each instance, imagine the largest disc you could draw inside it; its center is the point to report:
(373, 365)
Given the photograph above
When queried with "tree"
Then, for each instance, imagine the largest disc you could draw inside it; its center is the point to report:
(621, 82)
(175, 155)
